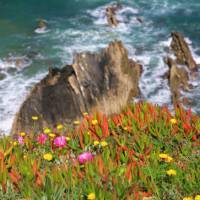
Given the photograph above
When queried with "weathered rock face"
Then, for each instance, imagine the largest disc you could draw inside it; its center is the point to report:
(95, 82)
(178, 79)
(182, 51)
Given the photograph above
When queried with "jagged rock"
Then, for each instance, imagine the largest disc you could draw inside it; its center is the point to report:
(111, 15)
(182, 51)
(178, 79)
(104, 81)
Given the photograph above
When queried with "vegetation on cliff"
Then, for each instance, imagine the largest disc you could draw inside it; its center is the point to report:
(145, 152)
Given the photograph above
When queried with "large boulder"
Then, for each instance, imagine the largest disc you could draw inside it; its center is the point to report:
(182, 51)
(104, 81)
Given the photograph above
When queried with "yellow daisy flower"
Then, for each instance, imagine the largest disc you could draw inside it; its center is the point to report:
(47, 130)
(59, 127)
(173, 121)
(52, 135)
(77, 122)
(68, 138)
(187, 198)
(171, 172)
(91, 196)
(22, 134)
(48, 156)
(197, 197)
(94, 122)
(96, 143)
(35, 118)
(104, 143)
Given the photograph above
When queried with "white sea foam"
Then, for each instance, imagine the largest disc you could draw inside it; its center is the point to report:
(13, 91)
(17, 62)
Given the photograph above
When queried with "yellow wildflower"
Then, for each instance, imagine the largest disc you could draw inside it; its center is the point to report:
(94, 122)
(59, 127)
(169, 159)
(91, 196)
(187, 198)
(197, 197)
(35, 118)
(88, 133)
(68, 138)
(163, 156)
(104, 143)
(125, 128)
(76, 122)
(173, 121)
(22, 134)
(96, 143)
(14, 143)
(47, 130)
(166, 157)
(52, 135)
(48, 156)
(171, 172)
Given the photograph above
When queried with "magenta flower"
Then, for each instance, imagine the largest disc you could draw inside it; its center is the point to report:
(84, 157)
(42, 138)
(60, 141)
(21, 140)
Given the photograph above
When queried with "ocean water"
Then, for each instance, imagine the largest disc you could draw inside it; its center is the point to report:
(80, 25)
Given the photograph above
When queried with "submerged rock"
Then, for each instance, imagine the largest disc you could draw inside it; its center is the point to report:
(104, 81)
(182, 51)
(111, 14)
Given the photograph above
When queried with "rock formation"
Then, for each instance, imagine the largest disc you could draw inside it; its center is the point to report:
(179, 76)
(182, 51)
(111, 15)
(178, 79)
(104, 81)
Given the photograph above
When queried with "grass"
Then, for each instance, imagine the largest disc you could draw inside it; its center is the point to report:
(132, 153)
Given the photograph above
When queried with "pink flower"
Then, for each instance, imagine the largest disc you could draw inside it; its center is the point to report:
(84, 157)
(21, 140)
(60, 141)
(42, 138)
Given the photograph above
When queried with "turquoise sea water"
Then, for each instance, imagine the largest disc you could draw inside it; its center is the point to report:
(80, 25)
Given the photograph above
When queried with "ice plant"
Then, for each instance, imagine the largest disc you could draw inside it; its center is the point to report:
(20, 140)
(91, 196)
(42, 138)
(48, 156)
(171, 172)
(84, 157)
(60, 141)
(35, 118)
